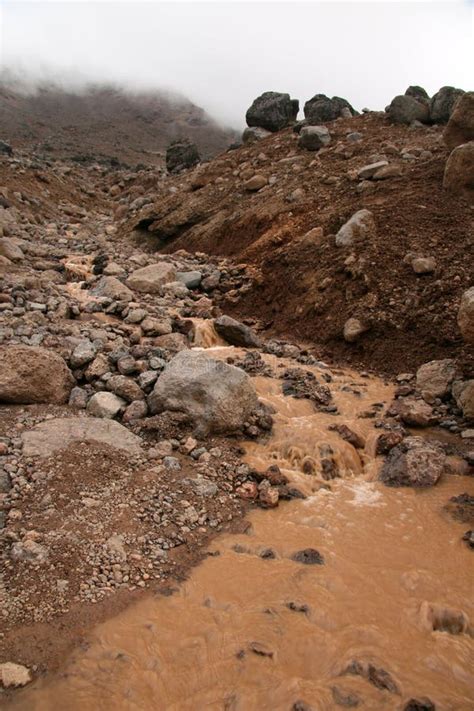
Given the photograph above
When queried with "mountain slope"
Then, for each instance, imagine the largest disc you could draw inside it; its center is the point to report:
(106, 122)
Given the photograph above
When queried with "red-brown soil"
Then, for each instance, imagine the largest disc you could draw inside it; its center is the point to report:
(309, 289)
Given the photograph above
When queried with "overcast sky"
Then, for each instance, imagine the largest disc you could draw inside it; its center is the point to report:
(223, 54)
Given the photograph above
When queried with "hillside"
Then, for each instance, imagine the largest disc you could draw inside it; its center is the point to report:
(306, 286)
(105, 122)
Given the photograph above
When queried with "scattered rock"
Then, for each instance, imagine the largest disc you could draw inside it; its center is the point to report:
(110, 287)
(57, 434)
(434, 379)
(252, 134)
(354, 329)
(105, 404)
(414, 413)
(463, 393)
(312, 138)
(181, 154)
(29, 551)
(255, 183)
(423, 704)
(424, 265)
(466, 315)
(151, 279)
(359, 227)
(14, 675)
(308, 556)
(10, 250)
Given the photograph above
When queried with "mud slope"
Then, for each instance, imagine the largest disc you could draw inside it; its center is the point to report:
(306, 285)
(106, 122)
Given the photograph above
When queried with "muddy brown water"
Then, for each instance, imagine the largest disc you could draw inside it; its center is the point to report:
(254, 629)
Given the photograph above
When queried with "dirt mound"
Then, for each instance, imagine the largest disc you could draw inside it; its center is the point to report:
(305, 285)
(106, 122)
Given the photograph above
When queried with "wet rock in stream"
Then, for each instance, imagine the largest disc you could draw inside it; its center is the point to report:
(303, 384)
(308, 556)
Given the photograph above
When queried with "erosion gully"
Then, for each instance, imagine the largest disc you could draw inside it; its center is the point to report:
(383, 620)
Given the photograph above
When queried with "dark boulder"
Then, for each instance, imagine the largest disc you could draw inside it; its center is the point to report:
(443, 103)
(6, 148)
(236, 333)
(417, 92)
(181, 154)
(272, 111)
(414, 462)
(407, 108)
(321, 109)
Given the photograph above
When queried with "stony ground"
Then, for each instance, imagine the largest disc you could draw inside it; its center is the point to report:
(109, 484)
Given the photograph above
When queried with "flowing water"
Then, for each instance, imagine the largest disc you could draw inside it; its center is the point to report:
(254, 629)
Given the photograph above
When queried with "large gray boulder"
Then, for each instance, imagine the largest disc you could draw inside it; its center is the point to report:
(236, 333)
(151, 279)
(443, 103)
(414, 462)
(51, 436)
(181, 154)
(466, 315)
(406, 109)
(272, 111)
(320, 109)
(33, 375)
(460, 128)
(216, 396)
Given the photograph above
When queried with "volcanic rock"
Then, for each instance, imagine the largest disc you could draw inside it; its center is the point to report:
(32, 375)
(414, 462)
(216, 396)
(272, 111)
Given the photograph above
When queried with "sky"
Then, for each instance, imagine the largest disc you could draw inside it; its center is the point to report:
(221, 55)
